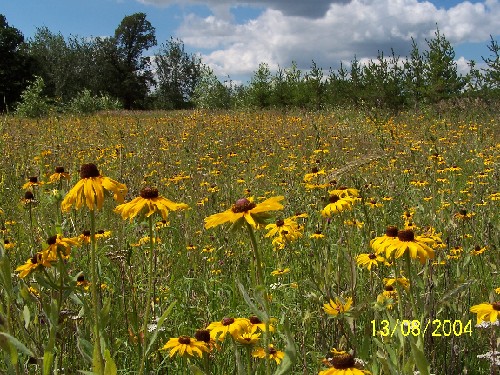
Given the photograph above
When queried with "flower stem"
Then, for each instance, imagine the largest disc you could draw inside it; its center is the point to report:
(148, 295)
(97, 359)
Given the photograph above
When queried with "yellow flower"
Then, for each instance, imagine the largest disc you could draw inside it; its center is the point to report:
(280, 272)
(149, 202)
(185, 345)
(272, 353)
(32, 182)
(255, 323)
(58, 175)
(233, 326)
(380, 243)
(59, 245)
(287, 229)
(246, 210)
(90, 190)
(337, 204)
(403, 281)
(344, 192)
(248, 337)
(369, 260)
(337, 307)
(488, 312)
(32, 264)
(417, 246)
(341, 363)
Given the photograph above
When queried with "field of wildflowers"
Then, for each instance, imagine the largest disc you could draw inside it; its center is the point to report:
(250, 242)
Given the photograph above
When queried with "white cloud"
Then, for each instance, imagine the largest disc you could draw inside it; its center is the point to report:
(346, 29)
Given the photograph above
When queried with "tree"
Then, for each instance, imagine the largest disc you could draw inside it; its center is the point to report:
(134, 35)
(442, 80)
(492, 73)
(315, 87)
(178, 73)
(209, 92)
(15, 65)
(414, 75)
(260, 91)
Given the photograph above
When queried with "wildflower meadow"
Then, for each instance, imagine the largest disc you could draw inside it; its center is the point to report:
(250, 242)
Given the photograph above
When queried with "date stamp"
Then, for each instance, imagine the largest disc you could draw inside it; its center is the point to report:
(437, 327)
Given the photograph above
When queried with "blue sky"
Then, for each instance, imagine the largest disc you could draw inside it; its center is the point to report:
(233, 36)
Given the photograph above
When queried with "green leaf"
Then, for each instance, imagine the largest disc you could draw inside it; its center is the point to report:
(110, 366)
(159, 325)
(195, 370)
(262, 315)
(419, 357)
(26, 316)
(290, 353)
(17, 344)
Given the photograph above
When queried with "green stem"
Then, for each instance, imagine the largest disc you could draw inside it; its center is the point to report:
(148, 295)
(97, 359)
(260, 283)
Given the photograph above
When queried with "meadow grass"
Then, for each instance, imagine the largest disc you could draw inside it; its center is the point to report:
(434, 175)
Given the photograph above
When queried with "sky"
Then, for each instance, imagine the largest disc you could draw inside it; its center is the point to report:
(234, 36)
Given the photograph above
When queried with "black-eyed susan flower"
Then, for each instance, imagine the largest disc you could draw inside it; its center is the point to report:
(29, 199)
(341, 363)
(90, 190)
(7, 244)
(59, 245)
(488, 312)
(369, 260)
(32, 182)
(317, 235)
(149, 202)
(38, 260)
(185, 345)
(390, 281)
(288, 229)
(373, 203)
(245, 209)
(378, 244)
(270, 353)
(462, 214)
(256, 324)
(345, 192)
(280, 271)
(337, 204)
(59, 175)
(416, 246)
(338, 306)
(248, 337)
(233, 326)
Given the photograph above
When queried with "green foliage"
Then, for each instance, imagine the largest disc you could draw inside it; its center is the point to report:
(14, 64)
(86, 103)
(210, 93)
(178, 74)
(34, 103)
(441, 79)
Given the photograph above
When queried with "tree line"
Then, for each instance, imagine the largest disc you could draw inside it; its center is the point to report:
(49, 71)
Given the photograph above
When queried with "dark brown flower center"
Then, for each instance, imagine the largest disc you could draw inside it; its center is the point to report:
(28, 195)
(280, 223)
(272, 350)
(86, 233)
(391, 231)
(255, 320)
(342, 361)
(100, 231)
(59, 169)
(372, 256)
(462, 212)
(185, 340)
(6, 241)
(89, 170)
(334, 198)
(315, 170)
(52, 240)
(496, 306)
(34, 180)
(227, 321)
(34, 259)
(202, 335)
(149, 193)
(389, 288)
(242, 205)
(406, 235)
(80, 278)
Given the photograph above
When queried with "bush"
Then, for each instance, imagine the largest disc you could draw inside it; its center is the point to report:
(85, 102)
(33, 103)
